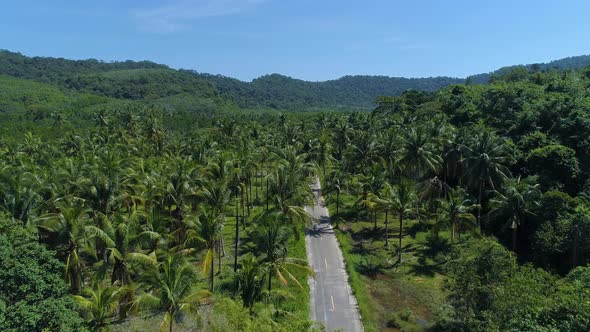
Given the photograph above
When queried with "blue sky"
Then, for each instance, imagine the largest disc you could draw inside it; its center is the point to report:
(307, 39)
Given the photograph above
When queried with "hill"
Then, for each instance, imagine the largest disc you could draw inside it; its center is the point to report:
(190, 90)
(574, 62)
(130, 80)
(283, 92)
(146, 80)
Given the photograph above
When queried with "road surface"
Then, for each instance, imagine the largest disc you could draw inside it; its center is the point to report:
(332, 301)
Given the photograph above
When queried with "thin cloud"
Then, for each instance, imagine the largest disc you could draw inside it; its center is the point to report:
(179, 15)
(402, 44)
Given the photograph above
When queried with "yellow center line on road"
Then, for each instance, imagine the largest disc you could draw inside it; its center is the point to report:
(332, 297)
(326, 261)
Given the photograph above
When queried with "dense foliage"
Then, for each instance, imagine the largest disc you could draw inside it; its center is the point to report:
(349, 92)
(197, 217)
(574, 62)
(33, 296)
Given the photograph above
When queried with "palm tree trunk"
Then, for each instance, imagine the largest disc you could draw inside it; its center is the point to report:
(237, 236)
(267, 196)
(479, 207)
(249, 193)
(338, 202)
(514, 230)
(401, 225)
(211, 272)
(452, 231)
(256, 181)
(269, 280)
(386, 229)
(375, 220)
(243, 210)
(219, 244)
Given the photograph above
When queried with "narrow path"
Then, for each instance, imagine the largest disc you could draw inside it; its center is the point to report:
(332, 301)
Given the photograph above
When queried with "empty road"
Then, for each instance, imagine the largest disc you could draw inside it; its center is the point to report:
(332, 301)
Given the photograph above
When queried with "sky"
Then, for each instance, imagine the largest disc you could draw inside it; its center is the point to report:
(306, 39)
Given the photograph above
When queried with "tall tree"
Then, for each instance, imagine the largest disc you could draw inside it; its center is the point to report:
(486, 160)
(517, 201)
(401, 199)
(456, 211)
(171, 287)
(272, 238)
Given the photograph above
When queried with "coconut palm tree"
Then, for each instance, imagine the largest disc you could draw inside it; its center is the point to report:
(129, 238)
(210, 226)
(171, 287)
(74, 234)
(272, 238)
(485, 162)
(250, 280)
(517, 201)
(333, 184)
(20, 193)
(216, 194)
(418, 154)
(99, 305)
(289, 187)
(319, 150)
(455, 210)
(401, 199)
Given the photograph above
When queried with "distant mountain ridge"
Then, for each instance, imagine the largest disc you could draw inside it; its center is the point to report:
(279, 91)
(573, 62)
(146, 80)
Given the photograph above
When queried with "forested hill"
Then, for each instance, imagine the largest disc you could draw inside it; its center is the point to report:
(573, 62)
(190, 90)
(146, 80)
(283, 92)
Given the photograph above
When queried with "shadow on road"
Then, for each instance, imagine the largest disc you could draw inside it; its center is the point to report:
(318, 231)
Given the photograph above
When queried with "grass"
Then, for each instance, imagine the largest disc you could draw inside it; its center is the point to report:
(392, 297)
(356, 283)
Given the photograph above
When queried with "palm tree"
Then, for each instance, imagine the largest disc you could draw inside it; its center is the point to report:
(375, 182)
(389, 149)
(453, 151)
(171, 287)
(180, 187)
(250, 281)
(456, 210)
(485, 164)
(20, 193)
(289, 187)
(320, 150)
(128, 239)
(334, 183)
(272, 238)
(518, 199)
(431, 191)
(217, 195)
(102, 185)
(401, 199)
(363, 151)
(99, 305)
(418, 154)
(341, 137)
(210, 226)
(75, 233)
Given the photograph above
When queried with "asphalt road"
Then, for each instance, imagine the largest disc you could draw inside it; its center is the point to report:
(332, 301)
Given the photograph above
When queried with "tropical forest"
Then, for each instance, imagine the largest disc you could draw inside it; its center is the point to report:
(139, 197)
